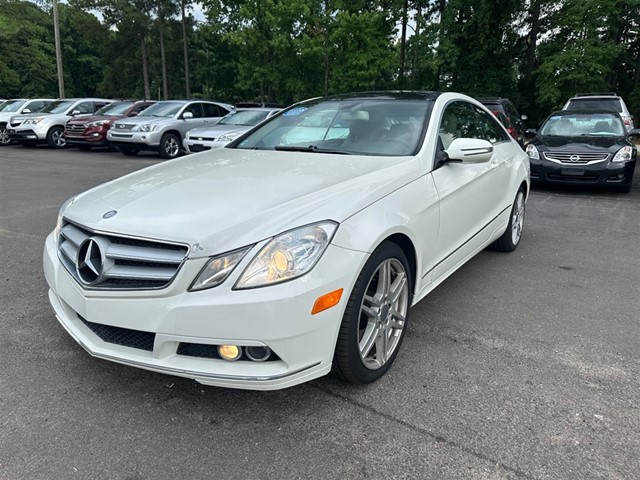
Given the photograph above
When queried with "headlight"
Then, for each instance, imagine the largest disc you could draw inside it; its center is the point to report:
(624, 155)
(532, 151)
(64, 206)
(227, 137)
(33, 121)
(218, 269)
(99, 123)
(148, 127)
(287, 256)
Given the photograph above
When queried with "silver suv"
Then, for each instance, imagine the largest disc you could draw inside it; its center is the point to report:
(18, 106)
(164, 125)
(601, 101)
(47, 126)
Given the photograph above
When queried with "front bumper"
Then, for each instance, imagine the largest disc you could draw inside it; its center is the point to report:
(191, 145)
(278, 317)
(601, 174)
(89, 138)
(137, 140)
(27, 135)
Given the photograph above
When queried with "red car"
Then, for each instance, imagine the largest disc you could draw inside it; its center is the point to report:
(87, 132)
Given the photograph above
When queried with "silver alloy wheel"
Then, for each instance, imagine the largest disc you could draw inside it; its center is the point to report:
(57, 136)
(171, 147)
(517, 218)
(4, 136)
(383, 313)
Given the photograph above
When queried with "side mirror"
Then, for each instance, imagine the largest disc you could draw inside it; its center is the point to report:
(524, 118)
(26, 110)
(186, 115)
(75, 112)
(470, 150)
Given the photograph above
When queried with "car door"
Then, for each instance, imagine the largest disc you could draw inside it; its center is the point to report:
(197, 121)
(472, 195)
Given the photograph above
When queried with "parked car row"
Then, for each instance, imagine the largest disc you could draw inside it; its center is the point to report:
(127, 126)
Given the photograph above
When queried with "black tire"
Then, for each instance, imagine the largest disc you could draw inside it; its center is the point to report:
(55, 138)
(511, 237)
(362, 321)
(129, 152)
(170, 146)
(4, 136)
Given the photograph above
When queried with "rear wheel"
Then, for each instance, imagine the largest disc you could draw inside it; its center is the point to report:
(510, 239)
(376, 316)
(55, 138)
(169, 146)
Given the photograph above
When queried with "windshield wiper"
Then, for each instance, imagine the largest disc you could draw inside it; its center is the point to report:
(310, 148)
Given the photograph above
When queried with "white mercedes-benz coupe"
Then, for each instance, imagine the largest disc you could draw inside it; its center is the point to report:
(296, 250)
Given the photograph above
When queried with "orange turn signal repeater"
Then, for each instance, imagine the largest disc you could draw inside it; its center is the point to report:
(327, 301)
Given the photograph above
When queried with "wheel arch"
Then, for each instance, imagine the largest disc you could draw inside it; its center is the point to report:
(409, 249)
(174, 132)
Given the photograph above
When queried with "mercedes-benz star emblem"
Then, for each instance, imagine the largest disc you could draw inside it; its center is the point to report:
(110, 213)
(90, 261)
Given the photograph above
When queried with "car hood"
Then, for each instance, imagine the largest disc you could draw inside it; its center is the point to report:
(579, 144)
(93, 118)
(220, 200)
(217, 130)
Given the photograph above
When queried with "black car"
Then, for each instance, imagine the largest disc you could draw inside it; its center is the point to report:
(583, 147)
(508, 115)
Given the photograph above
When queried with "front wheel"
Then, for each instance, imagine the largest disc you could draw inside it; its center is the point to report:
(510, 239)
(169, 146)
(376, 316)
(4, 136)
(55, 138)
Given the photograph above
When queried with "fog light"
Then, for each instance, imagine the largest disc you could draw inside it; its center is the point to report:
(257, 354)
(229, 352)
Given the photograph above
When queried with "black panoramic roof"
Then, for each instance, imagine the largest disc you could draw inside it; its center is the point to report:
(386, 95)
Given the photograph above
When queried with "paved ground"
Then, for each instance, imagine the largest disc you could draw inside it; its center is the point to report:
(522, 365)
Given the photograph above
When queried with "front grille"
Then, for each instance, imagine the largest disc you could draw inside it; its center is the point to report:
(202, 139)
(73, 130)
(573, 178)
(123, 126)
(122, 336)
(576, 158)
(107, 261)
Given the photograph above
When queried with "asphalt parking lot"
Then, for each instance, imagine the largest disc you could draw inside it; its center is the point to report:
(522, 365)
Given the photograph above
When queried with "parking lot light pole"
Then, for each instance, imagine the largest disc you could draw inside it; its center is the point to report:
(56, 32)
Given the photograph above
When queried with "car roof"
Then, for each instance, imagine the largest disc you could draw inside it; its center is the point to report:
(598, 111)
(386, 95)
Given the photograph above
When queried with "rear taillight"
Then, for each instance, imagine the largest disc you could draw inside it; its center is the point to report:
(513, 132)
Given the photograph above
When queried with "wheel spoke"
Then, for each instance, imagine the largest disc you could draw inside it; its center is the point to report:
(384, 279)
(369, 339)
(397, 287)
(382, 343)
(397, 320)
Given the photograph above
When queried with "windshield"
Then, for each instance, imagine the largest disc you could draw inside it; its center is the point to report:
(59, 106)
(163, 109)
(11, 106)
(350, 126)
(248, 118)
(115, 109)
(581, 124)
(612, 104)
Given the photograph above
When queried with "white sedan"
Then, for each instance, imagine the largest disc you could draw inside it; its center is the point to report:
(295, 251)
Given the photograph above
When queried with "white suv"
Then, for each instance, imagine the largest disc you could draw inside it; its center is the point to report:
(163, 126)
(601, 101)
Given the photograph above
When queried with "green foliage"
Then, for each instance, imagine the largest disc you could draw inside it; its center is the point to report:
(284, 51)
